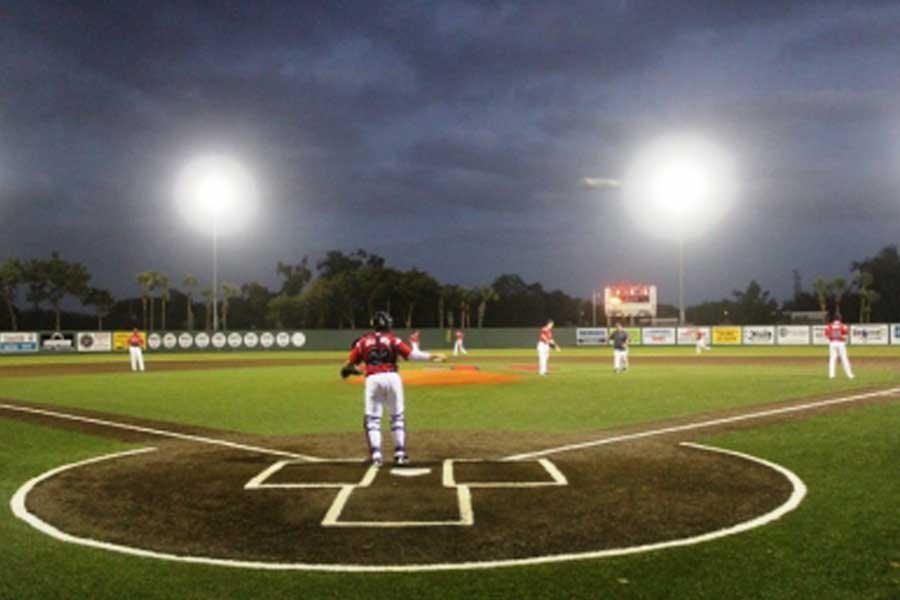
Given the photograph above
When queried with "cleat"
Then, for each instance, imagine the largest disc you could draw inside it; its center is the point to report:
(401, 459)
(377, 460)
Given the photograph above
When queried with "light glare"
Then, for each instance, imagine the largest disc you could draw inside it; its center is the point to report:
(215, 190)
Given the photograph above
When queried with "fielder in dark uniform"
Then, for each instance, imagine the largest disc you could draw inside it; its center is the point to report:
(620, 349)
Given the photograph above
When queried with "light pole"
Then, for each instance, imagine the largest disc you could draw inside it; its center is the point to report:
(215, 193)
(679, 180)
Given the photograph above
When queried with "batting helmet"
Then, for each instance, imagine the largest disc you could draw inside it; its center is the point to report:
(382, 321)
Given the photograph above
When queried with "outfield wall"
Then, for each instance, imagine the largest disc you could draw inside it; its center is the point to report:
(33, 342)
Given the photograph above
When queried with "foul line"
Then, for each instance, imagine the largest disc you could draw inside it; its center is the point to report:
(158, 432)
(702, 424)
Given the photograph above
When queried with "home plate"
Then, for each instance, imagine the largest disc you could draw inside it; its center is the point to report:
(401, 472)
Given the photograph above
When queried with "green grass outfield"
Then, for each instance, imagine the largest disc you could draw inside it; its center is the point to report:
(843, 542)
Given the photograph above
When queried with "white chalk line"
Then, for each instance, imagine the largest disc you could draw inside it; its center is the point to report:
(701, 424)
(798, 491)
(157, 432)
(797, 494)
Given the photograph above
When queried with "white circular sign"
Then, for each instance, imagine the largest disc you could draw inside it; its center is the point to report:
(298, 339)
(185, 340)
(283, 339)
(169, 341)
(202, 340)
(219, 339)
(251, 339)
(154, 341)
(267, 339)
(234, 340)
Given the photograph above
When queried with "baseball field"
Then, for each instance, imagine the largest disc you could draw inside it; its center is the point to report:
(740, 473)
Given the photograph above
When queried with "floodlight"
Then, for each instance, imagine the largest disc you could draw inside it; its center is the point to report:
(679, 186)
(216, 190)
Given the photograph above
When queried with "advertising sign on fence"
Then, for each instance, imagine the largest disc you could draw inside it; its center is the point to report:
(759, 335)
(170, 340)
(154, 341)
(870, 334)
(266, 340)
(591, 336)
(726, 336)
(658, 336)
(219, 340)
(895, 333)
(120, 340)
(688, 335)
(58, 342)
(235, 340)
(818, 335)
(18, 342)
(94, 341)
(792, 335)
(283, 339)
(251, 339)
(201, 340)
(185, 340)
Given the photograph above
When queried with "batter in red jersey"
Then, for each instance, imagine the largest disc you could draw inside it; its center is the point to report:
(836, 333)
(458, 347)
(135, 350)
(379, 351)
(545, 342)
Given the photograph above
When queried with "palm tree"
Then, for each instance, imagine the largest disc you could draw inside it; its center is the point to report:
(145, 281)
(191, 283)
(863, 281)
(839, 286)
(11, 275)
(229, 291)
(822, 286)
(154, 283)
(102, 301)
(207, 299)
(486, 294)
(162, 282)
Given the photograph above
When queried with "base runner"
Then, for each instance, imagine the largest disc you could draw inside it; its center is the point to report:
(545, 342)
(836, 334)
(379, 350)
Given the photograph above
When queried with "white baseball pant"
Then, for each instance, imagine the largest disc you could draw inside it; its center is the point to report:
(543, 350)
(137, 358)
(835, 350)
(620, 360)
(381, 389)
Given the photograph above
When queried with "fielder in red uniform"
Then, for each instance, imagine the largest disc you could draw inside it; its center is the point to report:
(379, 350)
(458, 346)
(414, 340)
(135, 350)
(545, 342)
(836, 333)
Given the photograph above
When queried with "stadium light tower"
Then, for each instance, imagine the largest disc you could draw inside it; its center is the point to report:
(678, 187)
(215, 193)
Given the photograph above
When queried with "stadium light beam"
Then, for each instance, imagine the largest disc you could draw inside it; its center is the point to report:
(679, 187)
(217, 194)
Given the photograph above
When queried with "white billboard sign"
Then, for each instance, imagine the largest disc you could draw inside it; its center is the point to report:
(658, 336)
(870, 335)
(759, 335)
(591, 336)
(94, 341)
(687, 336)
(792, 335)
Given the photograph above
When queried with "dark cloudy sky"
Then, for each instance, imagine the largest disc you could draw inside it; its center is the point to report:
(449, 135)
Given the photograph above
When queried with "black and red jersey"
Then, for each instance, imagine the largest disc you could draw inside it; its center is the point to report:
(379, 351)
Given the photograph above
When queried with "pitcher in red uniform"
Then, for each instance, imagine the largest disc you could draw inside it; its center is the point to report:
(379, 350)
(836, 333)
(135, 350)
(545, 342)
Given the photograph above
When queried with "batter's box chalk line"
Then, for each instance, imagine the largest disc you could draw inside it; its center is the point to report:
(449, 480)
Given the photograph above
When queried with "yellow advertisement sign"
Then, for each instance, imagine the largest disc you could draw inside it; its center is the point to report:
(120, 340)
(726, 336)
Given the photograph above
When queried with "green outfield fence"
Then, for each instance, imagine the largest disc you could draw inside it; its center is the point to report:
(875, 334)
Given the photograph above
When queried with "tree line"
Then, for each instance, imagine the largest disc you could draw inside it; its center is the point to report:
(341, 290)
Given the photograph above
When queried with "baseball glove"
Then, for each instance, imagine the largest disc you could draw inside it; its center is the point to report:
(349, 370)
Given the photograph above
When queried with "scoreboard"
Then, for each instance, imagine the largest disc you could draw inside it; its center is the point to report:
(636, 301)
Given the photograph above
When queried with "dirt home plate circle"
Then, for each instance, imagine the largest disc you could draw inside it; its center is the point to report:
(237, 507)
